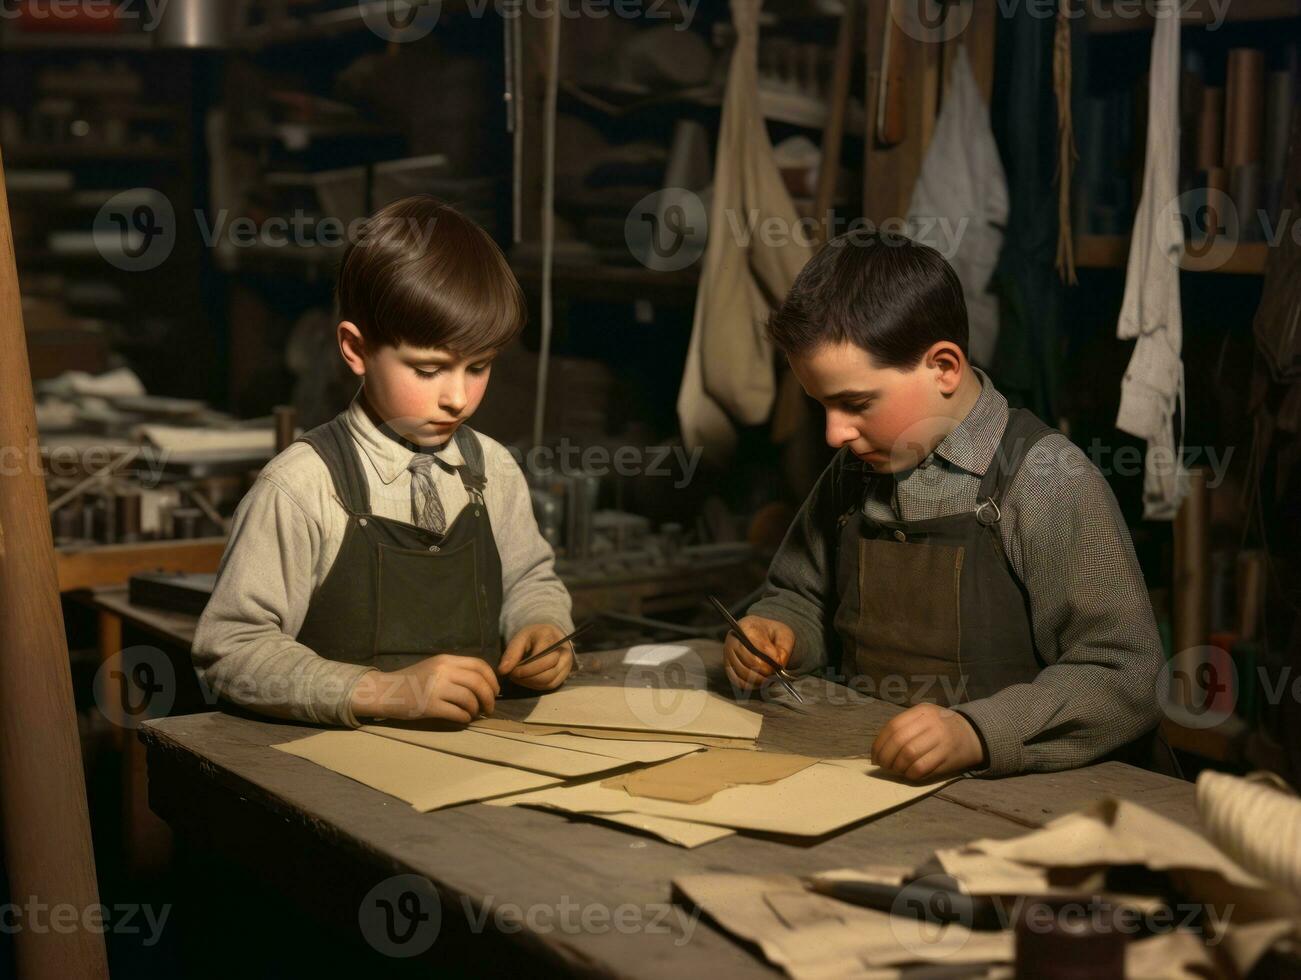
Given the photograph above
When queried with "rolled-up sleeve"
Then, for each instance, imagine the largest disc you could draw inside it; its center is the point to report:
(244, 648)
(1092, 620)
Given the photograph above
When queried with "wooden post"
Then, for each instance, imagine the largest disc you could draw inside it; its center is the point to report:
(46, 826)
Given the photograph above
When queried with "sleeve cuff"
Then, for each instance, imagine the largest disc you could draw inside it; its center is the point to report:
(340, 712)
(1003, 747)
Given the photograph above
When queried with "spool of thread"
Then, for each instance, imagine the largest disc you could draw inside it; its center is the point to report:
(1210, 129)
(128, 516)
(1244, 189)
(1053, 945)
(1251, 593)
(1192, 566)
(1244, 100)
(286, 417)
(1255, 822)
(186, 522)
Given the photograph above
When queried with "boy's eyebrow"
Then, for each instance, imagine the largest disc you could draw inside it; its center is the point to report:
(850, 393)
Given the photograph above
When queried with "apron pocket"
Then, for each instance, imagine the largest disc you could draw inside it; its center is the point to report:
(427, 602)
(909, 625)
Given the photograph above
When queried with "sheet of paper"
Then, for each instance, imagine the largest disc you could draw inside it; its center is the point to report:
(506, 727)
(818, 800)
(680, 832)
(426, 779)
(697, 778)
(648, 709)
(555, 760)
(631, 750)
(655, 654)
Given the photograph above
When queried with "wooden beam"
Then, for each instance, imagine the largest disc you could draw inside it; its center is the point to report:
(43, 815)
(113, 564)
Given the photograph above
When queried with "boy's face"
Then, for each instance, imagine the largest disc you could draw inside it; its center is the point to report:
(890, 418)
(424, 393)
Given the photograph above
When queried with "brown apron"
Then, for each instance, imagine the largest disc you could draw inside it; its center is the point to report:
(397, 593)
(932, 610)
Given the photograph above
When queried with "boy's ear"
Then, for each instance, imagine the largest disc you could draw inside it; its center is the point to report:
(353, 347)
(949, 363)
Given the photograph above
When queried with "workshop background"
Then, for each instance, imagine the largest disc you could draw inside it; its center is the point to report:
(179, 188)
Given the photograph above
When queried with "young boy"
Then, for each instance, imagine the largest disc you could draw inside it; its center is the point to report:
(394, 537)
(953, 552)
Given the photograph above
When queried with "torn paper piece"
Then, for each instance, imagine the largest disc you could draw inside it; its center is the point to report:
(426, 779)
(699, 777)
(680, 832)
(503, 726)
(655, 654)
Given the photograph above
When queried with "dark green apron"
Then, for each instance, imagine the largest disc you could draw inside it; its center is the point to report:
(932, 610)
(398, 593)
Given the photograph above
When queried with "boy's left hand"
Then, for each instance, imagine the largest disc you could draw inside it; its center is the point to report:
(544, 674)
(927, 740)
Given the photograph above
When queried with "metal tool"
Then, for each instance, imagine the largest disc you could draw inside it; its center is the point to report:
(559, 643)
(782, 674)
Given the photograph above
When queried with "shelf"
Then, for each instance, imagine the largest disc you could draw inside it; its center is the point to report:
(1195, 13)
(18, 41)
(1234, 258)
(56, 154)
(321, 27)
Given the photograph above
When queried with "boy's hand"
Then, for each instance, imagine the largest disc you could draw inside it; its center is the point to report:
(927, 740)
(545, 673)
(744, 669)
(445, 686)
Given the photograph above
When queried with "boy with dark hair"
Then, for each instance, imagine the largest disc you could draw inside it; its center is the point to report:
(394, 538)
(954, 553)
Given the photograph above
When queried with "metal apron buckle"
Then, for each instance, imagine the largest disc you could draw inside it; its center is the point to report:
(983, 512)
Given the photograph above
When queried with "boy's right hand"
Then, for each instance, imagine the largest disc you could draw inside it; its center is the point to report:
(453, 688)
(774, 638)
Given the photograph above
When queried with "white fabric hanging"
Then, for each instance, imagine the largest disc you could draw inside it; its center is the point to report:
(960, 201)
(1154, 382)
(729, 374)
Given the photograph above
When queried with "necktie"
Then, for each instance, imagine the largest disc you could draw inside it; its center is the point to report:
(426, 508)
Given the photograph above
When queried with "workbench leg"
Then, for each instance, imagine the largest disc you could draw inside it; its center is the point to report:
(110, 645)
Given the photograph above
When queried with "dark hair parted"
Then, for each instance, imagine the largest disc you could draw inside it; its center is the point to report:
(888, 294)
(423, 274)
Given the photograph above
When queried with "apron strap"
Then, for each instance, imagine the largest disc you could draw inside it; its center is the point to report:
(1023, 432)
(473, 474)
(334, 444)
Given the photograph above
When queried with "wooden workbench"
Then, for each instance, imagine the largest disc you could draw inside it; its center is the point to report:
(326, 840)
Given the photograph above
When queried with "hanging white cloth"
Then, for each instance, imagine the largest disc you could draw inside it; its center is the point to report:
(1153, 388)
(960, 202)
(757, 246)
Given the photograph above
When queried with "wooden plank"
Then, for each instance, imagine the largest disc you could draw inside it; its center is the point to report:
(114, 564)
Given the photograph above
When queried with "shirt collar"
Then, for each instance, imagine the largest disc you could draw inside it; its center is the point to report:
(387, 455)
(973, 443)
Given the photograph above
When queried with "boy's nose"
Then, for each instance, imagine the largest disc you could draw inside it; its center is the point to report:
(838, 433)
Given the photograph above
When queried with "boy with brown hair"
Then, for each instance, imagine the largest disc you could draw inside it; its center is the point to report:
(375, 565)
(957, 556)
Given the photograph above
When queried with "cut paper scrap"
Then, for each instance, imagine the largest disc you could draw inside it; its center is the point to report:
(680, 832)
(655, 654)
(503, 726)
(555, 760)
(697, 778)
(681, 711)
(426, 779)
(815, 801)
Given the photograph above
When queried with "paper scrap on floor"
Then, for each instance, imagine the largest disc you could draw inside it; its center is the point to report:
(699, 777)
(503, 726)
(425, 778)
(818, 800)
(682, 711)
(556, 759)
